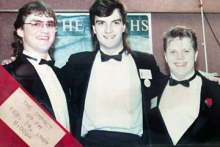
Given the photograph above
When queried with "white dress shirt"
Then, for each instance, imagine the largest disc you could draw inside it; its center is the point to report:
(53, 89)
(113, 100)
(179, 107)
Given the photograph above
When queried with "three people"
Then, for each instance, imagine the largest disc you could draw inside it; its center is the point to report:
(112, 100)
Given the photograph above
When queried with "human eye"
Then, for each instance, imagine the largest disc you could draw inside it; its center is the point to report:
(117, 22)
(172, 51)
(100, 23)
(36, 24)
(186, 51)
(50, 24)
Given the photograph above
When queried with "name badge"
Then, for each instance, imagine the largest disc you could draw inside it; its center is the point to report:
(153, 102)
(145, 74)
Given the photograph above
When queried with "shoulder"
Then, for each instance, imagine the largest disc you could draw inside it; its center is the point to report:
(80, 57)
(211, 89)
(13, 65)
(20, 67)
(141, 54)
(8, 67)
(207, 83)
(144, 58)
(79, 60)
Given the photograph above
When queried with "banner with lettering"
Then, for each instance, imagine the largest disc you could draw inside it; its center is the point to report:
(24, 122)
(73, 34)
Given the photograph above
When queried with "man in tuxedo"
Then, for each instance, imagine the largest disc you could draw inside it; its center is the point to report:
(33, 68)
(186, 108)
(110, 84)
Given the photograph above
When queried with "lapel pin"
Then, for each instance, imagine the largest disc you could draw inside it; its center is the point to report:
(147, 83)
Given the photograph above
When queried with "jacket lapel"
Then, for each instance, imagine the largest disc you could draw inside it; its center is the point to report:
(27, 76)
(82, 72)
(203, 117)
(159, 132)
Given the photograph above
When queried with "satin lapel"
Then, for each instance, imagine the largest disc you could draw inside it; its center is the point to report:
(150, 116)
(203, 116)
(158, 128)
(160, 88)
(83, 72)
(155, 110)
(139, 62)
(33, 84)
(145, 95)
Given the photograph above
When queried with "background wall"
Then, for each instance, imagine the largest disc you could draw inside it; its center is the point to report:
(164, 15)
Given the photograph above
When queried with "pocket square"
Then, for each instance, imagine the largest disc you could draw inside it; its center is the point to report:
(145, 74)
(153, 102)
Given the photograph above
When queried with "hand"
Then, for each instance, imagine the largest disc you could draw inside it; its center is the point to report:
(8, 61)
(211, 76)
(215, 79)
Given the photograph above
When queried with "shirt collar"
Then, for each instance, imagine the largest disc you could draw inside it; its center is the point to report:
(35, 56)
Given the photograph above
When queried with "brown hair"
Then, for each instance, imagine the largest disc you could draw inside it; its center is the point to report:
(104, 8)
(34, 7)
(181, 32)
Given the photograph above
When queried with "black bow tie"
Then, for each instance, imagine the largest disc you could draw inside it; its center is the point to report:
(42, 61)
(105, 57)
(185, 83)
(49, 63)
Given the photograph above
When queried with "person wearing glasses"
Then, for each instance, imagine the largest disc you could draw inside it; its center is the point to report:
(33, 67)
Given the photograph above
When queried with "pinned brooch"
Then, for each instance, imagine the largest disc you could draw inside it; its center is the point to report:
(147, 83)
(207, 104)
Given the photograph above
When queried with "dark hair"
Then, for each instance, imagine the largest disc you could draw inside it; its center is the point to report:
(34, 7)
(181, 32)
(104, 8)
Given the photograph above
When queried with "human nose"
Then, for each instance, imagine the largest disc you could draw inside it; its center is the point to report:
(44, 28)
(180, 56)
(108, 28)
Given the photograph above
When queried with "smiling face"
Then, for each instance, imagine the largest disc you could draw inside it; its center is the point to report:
(37, 40)
(109, 31)
(180, 57)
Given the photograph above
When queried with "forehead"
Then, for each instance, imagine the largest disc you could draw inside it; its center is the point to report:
(180, 43)
(114, 16)
(42, 17)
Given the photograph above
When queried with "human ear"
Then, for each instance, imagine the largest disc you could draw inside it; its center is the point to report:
(165, 56)
(124, 26)
(20, 32)
(93, 28)
(196, 55)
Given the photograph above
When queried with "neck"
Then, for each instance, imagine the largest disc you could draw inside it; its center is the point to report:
(111, 51)
(37, 54)
(181, 78)
(43, 55)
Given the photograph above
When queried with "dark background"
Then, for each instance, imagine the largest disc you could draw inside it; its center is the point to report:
(164, 14)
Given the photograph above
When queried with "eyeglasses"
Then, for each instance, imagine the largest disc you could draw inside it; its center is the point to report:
(40, 24)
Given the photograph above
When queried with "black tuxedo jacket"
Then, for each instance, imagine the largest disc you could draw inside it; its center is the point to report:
(24, 72)
(78, 70)
(205, 129)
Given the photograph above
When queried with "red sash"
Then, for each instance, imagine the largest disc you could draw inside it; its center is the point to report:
(8, 138)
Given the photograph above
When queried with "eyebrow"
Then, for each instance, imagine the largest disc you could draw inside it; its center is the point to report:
(104, 21)
(41, 20)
